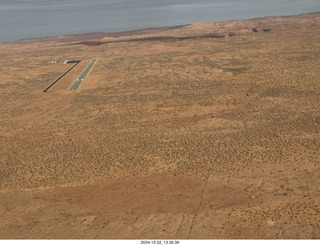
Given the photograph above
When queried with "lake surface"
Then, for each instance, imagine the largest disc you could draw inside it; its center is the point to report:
(23, 19)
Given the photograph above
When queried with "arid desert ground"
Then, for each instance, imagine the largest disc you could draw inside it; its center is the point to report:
(205, 131)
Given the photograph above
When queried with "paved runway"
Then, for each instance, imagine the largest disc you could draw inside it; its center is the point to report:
(77, 62)
(76, 85)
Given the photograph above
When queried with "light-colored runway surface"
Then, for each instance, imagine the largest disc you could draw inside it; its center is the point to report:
(76, 85)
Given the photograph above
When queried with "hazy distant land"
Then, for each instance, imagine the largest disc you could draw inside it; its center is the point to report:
(34, 18)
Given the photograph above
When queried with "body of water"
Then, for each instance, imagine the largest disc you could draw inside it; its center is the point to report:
(24, 19)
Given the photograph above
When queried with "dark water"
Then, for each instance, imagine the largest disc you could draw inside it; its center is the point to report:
(22, 19)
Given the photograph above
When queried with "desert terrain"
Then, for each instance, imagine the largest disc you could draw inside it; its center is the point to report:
(204, 131)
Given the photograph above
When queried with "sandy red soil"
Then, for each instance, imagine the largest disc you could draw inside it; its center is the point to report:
(204, 131)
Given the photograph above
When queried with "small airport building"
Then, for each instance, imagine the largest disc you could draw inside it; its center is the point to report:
(71, 61)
